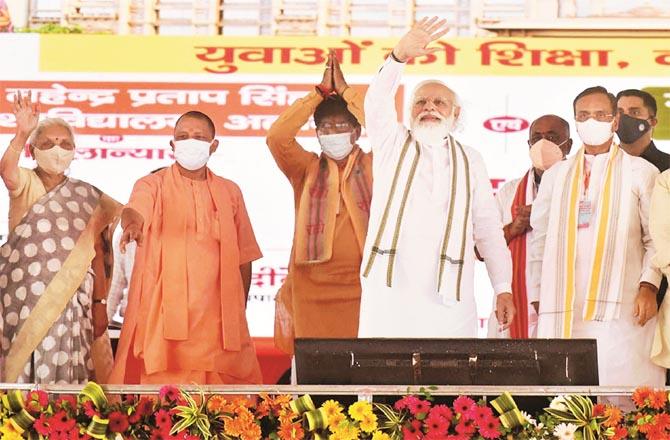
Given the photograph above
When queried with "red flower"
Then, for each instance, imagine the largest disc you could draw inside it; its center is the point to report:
(412, 430)
(463, 404)
(598, 410)
(89, 409)
(41, 425)
(66, 402)
(405, 402)
(169, 393)
(160, 435)
(118, 422)
(465, 427)
(145, 406)
(61, 422)
(441, 410)
(163, 420)
(620, 433)
(436, 425)
(490, 428)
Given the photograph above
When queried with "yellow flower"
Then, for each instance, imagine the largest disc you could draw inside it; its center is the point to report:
(332, 407)
(335, 420)
(378, 435)
(359, 410)
(9, 432)
(369, 423)
(350, 432)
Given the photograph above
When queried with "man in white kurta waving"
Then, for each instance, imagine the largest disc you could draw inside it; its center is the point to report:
(591, 251)
(432, 203)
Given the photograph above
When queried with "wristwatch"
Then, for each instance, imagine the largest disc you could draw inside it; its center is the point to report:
(100, 301)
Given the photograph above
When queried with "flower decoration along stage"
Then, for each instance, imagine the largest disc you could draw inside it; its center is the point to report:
(177, 415)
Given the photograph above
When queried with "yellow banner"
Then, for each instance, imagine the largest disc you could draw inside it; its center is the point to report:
(301, 55)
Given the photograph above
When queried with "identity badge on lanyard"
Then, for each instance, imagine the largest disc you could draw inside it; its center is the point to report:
(585, 206)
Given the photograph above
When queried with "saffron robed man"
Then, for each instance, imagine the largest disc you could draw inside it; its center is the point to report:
(432, 203)
(332, 191)
(185, 320)
(55, 267)
(591, 253)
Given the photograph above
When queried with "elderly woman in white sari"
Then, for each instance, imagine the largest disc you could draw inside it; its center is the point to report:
(56, 264)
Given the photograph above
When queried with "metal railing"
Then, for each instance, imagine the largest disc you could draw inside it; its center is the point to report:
(363, 391)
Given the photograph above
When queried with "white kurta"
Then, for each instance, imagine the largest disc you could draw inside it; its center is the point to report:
(504, 199)
(623, 346)
(412, 307)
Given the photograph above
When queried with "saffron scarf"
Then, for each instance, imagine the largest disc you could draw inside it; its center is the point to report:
(610, 220)
(517, 247)
(320, 200)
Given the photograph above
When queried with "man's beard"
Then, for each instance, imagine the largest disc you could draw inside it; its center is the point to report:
(432, 132)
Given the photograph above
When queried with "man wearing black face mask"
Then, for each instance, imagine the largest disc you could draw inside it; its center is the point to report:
(638, 119)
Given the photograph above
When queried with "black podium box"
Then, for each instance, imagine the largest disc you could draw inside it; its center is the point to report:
(446, 361)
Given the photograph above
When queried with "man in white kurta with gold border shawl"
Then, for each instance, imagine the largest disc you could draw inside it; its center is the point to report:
(591, 251)
(432, 203)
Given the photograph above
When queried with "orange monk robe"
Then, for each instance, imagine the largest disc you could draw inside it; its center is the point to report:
(318, 300)
(185, 321)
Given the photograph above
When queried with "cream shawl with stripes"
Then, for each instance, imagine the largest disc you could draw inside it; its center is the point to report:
(610, 222)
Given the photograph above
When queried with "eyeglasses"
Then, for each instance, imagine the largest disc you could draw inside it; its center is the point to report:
(437, 102)
(598, 116)
(339, 127)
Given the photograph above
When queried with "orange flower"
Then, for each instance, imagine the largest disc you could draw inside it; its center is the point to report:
(641, 396)
(252, 432)
(613, 415)
(662, 420)
(620, 433)
(291, 431)
(658, 399)
(218, 404)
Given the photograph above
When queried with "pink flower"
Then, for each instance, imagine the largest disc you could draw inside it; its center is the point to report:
(442, 411)
(490, 428)
(463, 405)
(418, 406)
(480, 414)
(169, 393)
(465, 427)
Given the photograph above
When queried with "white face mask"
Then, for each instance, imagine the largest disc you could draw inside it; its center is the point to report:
(55, 160)
(336, 146)
(593, 132)
(430, 132)
(544, 153)
(192, 154)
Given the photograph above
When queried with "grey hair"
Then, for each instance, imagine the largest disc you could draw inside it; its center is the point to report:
(46, 123)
